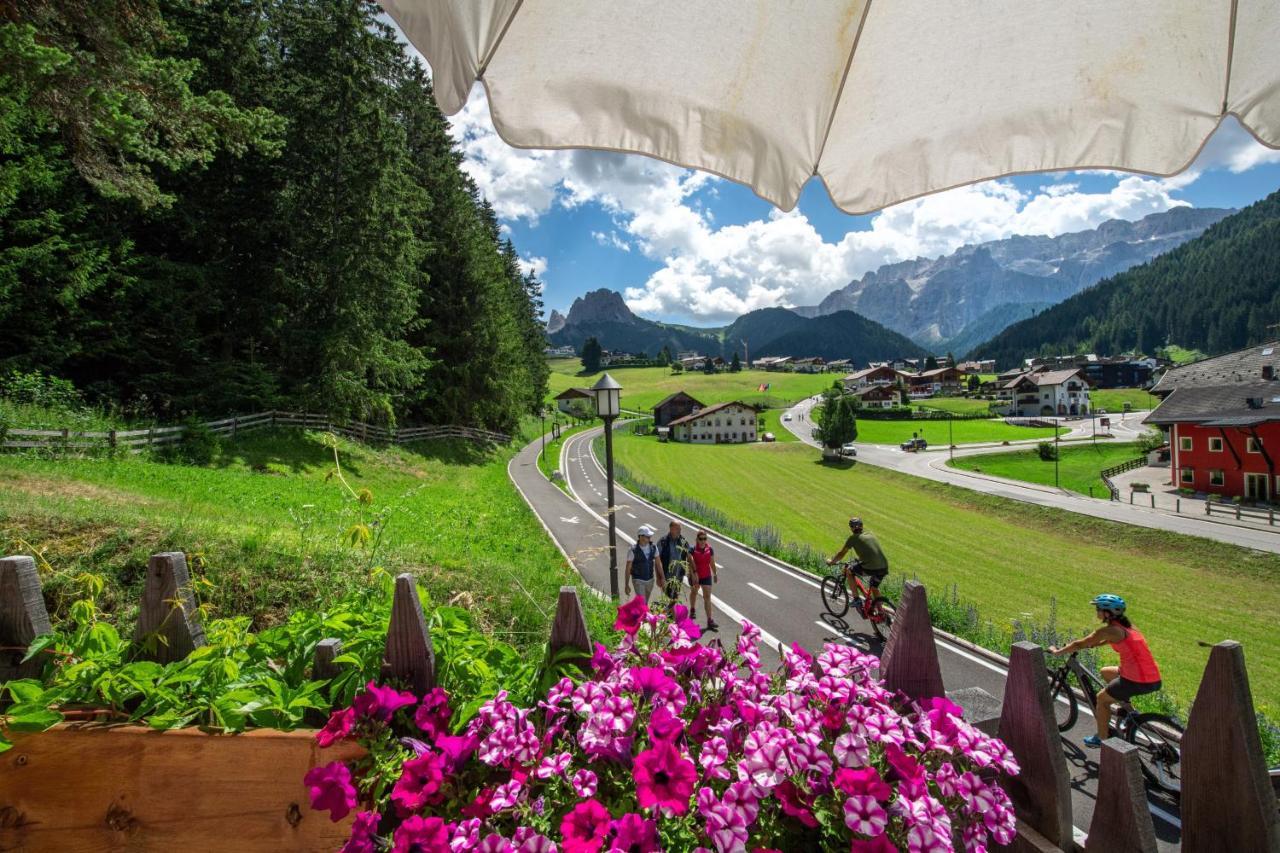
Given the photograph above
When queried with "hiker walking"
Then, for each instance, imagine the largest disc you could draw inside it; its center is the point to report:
(704, 574)
(643, 564)
(673, 550)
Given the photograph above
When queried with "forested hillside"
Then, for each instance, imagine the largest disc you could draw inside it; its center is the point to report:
(1216, 293)
(226, 205)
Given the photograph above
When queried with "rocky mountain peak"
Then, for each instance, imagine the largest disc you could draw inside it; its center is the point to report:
(600, 306)
(555, 322)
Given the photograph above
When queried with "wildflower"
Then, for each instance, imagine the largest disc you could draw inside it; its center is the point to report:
(664, 778)
(864, 815)
(330, 788)
(635, 834)
(364, 830)
(584, 828)
(339, 727)
(584, 783)
(421, 833)
(630, 616)
(381, 703)
(419, 783)
(433, 714)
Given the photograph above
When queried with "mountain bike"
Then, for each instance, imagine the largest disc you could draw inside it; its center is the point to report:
(1157, 736)
(870, 604)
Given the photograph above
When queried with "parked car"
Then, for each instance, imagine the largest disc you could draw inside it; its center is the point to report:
(786, 416)
(911, 445)
(848, 450)
(768, 436)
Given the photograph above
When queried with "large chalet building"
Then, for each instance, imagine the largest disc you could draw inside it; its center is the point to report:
(674, 407)
(1052, 393)
(724, 423)
(1223, 419)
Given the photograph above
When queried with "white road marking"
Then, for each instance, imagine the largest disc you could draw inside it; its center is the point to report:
(573, 520)
(630, 515)
(762, 590)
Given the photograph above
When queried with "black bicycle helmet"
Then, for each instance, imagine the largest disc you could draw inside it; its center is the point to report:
(855, 524)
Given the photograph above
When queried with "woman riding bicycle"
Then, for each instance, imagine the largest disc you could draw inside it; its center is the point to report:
(1137, 673)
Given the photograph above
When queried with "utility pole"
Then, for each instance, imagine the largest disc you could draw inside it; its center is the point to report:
(951, 439)
(1057, 431)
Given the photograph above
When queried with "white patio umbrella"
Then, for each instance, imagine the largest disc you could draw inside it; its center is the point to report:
(884, 100)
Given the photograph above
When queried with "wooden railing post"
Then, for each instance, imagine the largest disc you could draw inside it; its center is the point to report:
(1121, 819)
(22, 617)
(910, 659)
(409, 655)
(1227, 800)
(168, 610)
(569, 627)
(1041, 792)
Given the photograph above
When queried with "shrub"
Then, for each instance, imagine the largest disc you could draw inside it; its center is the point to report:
(1047, 451)
(672, 745)
(1150, 440)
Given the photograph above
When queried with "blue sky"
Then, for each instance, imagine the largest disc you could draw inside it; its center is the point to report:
(687, 247)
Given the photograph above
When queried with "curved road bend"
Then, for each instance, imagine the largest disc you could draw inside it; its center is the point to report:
(932, 465)
(782, 600)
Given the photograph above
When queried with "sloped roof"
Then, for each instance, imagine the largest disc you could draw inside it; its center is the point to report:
(1047, 377)
(868, 371)
(1235, 367)
(709, 410)
(1220, 405)
(574, 394)
(671, 397)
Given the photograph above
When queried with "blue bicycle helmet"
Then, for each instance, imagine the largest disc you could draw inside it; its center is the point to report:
(1113, 604)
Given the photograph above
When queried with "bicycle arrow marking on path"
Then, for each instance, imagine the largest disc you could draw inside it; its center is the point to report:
(573, 520)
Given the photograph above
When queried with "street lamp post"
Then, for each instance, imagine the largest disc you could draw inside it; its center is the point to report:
(1057, 431)
(542, 415)
(608, 395)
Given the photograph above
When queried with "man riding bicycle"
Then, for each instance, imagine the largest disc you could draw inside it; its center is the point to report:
(871, 561)
(1137, 673)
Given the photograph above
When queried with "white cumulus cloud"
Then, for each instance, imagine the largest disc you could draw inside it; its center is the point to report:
(535, 265)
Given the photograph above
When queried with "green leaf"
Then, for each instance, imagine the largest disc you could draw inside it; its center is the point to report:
(38, 645)
(31, 718)
(25, 690)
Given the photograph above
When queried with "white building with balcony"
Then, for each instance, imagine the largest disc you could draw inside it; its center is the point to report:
(1053, 393)
(723, 423)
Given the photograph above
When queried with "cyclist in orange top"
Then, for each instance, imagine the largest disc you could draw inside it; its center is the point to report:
(1137, 673)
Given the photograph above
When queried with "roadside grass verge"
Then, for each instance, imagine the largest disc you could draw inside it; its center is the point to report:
(549, 461)
(271, 529)
(1013, 561)
(1113, 399)
(958, 405)
(1079, 465)
(937, 432)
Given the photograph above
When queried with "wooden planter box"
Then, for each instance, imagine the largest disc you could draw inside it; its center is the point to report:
(89, 788)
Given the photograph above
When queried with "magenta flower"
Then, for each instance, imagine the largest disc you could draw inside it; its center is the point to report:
(339, 727)
(879, 844)
(727, 826)
(764, 760)
(553, 765)
(456, 749)
(466, 835)
(922, 838)
(495, 843)
(664, 778)
(863, 781)
(330, 788)
(714, 754)
(793, 804)
(864, 815)
(584, 783)
(584, 828)
(602, 662)
(506, 795)
(532, 842)
(364, 831)
(630, 615)
(665, 724)
(635, 834)
(381, 703)
(421, 834)
(651, 680)
(912, 778)
(419, 783)
(433, 714)
(851, 750)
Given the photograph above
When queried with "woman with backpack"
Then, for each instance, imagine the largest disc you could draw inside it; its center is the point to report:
(644, 564)
(705, 573)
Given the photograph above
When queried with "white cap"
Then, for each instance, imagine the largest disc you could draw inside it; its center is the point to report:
(645, 530)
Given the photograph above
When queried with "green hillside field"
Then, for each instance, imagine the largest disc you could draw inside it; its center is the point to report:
(1079, 466)
(1013, 560)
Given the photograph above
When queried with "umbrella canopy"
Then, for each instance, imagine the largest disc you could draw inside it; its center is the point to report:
(883, 100)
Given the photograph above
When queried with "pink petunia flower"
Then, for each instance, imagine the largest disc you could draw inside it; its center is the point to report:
(794, 803)
(714, 754)
(495, 843)
(584, 828)
(922, 838)
(864, 815)
(630, 615)
(364, 832)
(381, 703)
(421, 833)
(339, 727)
(506, 795)
(534, 843)
(433, 714)
(764, 759)
(865, 780)
(665, 724)
(419, 783)
(584, 783)
(330, 788)
(466, 835)
(879, 844)
(553, 765)
(664, 779)
(851, 750)
(635, 834)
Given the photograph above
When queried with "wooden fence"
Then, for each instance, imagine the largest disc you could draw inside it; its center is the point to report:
(184, 790)
(1127, 465)
(137, 440)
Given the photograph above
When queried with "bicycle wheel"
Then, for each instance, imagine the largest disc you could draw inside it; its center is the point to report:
(1157, 738)
(1066, 707)
(835, 595)
(880, 615)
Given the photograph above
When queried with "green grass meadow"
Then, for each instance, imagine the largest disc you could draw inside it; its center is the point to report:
(1013, 560)
(941, 432)
(1079, 465)
(270, 527)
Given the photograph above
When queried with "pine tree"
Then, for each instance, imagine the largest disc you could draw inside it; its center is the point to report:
(735, 366)
(591, 354)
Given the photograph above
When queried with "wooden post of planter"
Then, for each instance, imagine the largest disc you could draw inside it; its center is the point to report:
(22, 617)
(322, 666)
(910, 659)
(409, 655)
(570, 626)
(1227, 799)
(168, 609)
(1041, 793)
(1121, 819)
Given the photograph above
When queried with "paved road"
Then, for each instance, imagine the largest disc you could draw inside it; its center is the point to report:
(932, 465)
(783, 601)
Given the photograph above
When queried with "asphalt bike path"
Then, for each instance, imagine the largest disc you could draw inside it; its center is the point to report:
(932, 465)
(783, 601)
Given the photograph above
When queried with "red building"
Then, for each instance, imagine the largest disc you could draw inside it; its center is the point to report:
(1223, 418)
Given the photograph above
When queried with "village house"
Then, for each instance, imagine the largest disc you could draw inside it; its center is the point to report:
(809, 365)
(881, 374)
(1061, 393)
(724, 423)
(673, 408)
(1223, 419)
(772, 362)
(840, 365)
(560, 352)
(986, 365)
(565, 399)
(940, 380)
(878, 397)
